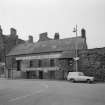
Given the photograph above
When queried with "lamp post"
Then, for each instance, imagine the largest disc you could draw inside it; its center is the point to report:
(5, 61)
(76, 54)
(4, 51)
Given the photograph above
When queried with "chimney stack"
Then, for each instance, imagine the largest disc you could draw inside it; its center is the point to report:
(30, 40)
(43, 36)
(56, 37)
(1, 31)
(13, 32)
(17, 41)
(83, 33)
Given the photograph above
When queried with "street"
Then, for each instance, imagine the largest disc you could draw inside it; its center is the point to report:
(46, 92)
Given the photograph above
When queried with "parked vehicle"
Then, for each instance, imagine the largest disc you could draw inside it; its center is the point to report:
(79, 77)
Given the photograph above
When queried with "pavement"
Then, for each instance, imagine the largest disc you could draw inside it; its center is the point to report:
(43, 92)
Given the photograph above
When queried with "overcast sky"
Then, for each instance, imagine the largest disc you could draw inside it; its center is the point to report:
(32, 17)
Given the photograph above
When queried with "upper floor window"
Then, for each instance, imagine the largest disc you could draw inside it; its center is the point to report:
(40, 63)
(52, 63)
(31, 63)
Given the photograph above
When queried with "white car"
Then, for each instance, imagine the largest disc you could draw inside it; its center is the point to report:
(79, 76)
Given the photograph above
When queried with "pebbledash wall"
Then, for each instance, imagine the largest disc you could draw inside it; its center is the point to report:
(54, 58)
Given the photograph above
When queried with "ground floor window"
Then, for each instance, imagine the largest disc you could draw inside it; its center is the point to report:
(18, 65)
(31, 75)
(40, 74)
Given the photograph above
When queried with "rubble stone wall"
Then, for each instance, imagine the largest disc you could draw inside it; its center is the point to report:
(92, 62)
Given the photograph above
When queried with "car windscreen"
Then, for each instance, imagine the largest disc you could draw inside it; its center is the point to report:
(81, 74)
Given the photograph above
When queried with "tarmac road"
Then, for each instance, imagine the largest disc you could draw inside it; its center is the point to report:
(43, 92)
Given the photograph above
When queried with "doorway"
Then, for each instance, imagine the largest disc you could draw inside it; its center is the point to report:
(28, 75)
(52, 74)
(40, 74)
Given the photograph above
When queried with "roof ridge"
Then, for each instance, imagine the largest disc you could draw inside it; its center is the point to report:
(57, 40)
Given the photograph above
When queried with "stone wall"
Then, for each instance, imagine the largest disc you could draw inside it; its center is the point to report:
(92, 62)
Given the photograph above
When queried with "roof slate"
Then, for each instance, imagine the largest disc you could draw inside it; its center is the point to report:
(48, 46)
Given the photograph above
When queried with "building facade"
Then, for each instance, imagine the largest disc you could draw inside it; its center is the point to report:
(7, 42)
(45, 58)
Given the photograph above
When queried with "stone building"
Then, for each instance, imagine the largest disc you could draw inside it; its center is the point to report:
(42, 58)
(7, 42)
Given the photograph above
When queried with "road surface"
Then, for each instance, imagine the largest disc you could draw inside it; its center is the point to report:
(43, 92)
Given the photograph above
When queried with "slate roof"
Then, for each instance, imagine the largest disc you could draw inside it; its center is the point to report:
(66, 44)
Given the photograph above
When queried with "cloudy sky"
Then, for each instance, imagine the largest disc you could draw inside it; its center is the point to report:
(32, 17)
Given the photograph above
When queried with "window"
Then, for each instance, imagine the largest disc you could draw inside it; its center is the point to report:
(70, 62)
(31, 63)
(40, 63)
(52, 63)
(18, 65)
(81, 74)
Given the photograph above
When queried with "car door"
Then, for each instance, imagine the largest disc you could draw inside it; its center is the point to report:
(80, 77)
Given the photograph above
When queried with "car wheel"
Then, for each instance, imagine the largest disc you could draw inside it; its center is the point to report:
(88, 81)
(72, 80)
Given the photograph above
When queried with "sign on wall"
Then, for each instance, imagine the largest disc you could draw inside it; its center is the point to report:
(39, 57)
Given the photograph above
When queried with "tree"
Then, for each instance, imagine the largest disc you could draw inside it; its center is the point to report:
(66, 65)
